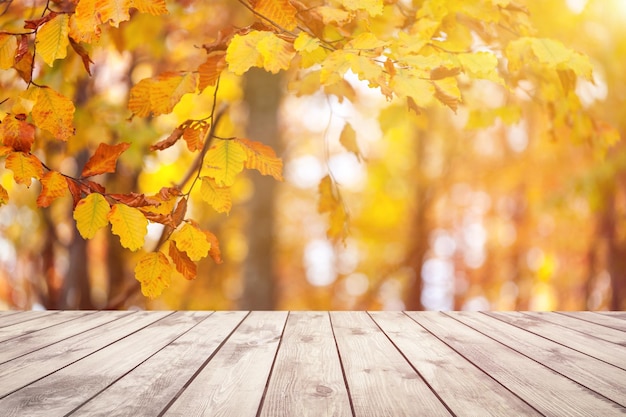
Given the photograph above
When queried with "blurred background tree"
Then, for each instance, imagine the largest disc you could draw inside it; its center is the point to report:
(491, 207)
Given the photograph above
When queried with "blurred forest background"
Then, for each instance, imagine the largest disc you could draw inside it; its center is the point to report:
(447, 211)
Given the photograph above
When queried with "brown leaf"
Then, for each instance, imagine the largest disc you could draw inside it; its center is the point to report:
(104, 159)
(443, 72)
(135, 200)
(169, 141)
(179, 212)
(83, 54)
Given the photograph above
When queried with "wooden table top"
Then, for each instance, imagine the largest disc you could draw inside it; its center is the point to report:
(260, 363)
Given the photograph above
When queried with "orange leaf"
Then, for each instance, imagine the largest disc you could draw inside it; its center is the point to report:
(179, 212)
(183, 264)
(194, 136)
(53, 186)
(262, 158)
(210, 71)
(218, 197)
(214, 252)
(153, 7)
(280, 12)
(135, 200)
(4, 196)
(25, 167)
(84, 55)
(54, 113)
(104, 159)
(154, 272)
(17, 134)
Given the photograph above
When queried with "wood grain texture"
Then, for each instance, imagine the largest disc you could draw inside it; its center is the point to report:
(602, 319)
(63, 391)
(307, 378)
(544, 389)
(582, 326)
(269, 364)
(157, 381)
(233, 382)
(601, 377)
(580, 341)
(26, 369)
(380, 380)
(30, 342)
(466, 389)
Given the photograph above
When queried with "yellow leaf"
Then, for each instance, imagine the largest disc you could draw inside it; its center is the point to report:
(335, 66)
(481, 65)
(4, 196)
(365, 41)
(192, 241)
(372, 7)
(54, 113)
(550, 51)
(129, 224)
(242, 54)
(25, 167)
(153, 7)
(406, 84)
(280, 12)
(332, 15)
(262, 158)
(52, 40)
(224, 161)
(183, 263)
(91, 215)
(330, 201)
(154, 272)
(53, 186)
(447, 92)
(258, 49)
(8, 45)
(217, 197)
(348, 141)
(159, 95)
(309, 49)
(276, 53)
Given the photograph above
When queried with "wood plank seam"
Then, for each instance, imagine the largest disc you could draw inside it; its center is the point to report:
(413, 367)
(81, 358)
(469, 360)
(343, 370)
(43, 346)
(201, 367)
(139, 364)
(269, 376)
(560, 342)
(539, 362)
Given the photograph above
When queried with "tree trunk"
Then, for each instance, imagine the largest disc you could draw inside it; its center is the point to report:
(262, 93)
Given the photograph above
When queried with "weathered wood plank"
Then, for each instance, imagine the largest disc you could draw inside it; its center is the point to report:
(582, 342)
(307, 378)
(616, 314)
(157, 381)
(466, 389)
(598, 376)
(380, 380)
(68, 388)
(25, 369)
(36, 340)
(544, 389)
(25, 327)
(23, 316)
(233, 382)
(602, 319)
(592, 329)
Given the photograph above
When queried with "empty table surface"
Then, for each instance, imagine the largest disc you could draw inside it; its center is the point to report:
(312, 363)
